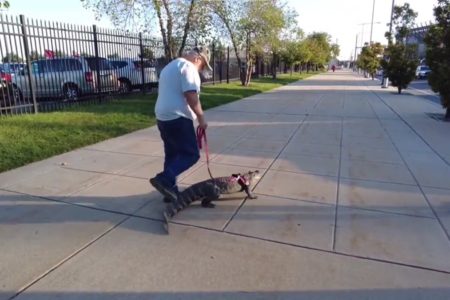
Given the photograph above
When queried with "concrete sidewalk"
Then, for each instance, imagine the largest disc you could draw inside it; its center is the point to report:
(354, 203)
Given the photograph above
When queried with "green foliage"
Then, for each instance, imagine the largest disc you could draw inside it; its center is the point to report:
(403, 19)
(254, 26)
(289, 53)
(335, 50)
(438, 53)
(401, 62)
(12, 57)
(34, 55)
(113, 56)
(177, 22)
(320, 48)
(296, 52)
(148, 53)
(370, 58)
(4, 4)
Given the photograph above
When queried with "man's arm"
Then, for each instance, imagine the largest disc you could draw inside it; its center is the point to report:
(194, 102)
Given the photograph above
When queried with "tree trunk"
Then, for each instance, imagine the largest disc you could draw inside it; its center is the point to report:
(274, 67)
(399, 89)
(169, 27)
(167, 53)
(242, 74)
(224, 19)
(447, 114)
(186, 28)
(249, 73)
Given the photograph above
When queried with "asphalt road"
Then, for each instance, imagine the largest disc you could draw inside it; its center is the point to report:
(421, 87)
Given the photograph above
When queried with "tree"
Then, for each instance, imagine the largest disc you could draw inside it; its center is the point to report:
(438, 53)
(12, 58)
(295, 50)
(289, 53)
(250, 25)
(370, 58)
(335, 50)
(148, 53)
(319, 46)
(34, 55)
(401, 62)
(115, 55)
(402, 65)
(4, 4)
(175, 19)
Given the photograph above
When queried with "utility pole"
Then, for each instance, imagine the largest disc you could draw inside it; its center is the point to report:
(371, 26)
(354, 60)
(386, 79)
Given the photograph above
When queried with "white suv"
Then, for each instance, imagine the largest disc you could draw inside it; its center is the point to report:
(129, 72)
(422, 72)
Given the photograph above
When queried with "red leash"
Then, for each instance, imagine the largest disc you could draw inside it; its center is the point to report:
(201, 135)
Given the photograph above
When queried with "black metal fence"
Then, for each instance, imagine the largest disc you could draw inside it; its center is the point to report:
(47, 66)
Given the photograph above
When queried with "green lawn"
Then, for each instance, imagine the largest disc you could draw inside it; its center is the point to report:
(28, 138)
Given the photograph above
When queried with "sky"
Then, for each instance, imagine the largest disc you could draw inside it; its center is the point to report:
(339, 18)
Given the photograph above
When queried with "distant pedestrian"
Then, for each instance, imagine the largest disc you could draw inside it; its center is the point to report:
(177, 106)
(333, 67)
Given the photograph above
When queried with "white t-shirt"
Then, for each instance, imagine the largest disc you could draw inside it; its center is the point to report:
(179, 76)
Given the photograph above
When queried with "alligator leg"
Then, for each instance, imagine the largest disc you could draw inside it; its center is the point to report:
(213, 193)
(207, 203)
(249, 193)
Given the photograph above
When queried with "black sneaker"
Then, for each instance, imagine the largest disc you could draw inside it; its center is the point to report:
(169, 200)
(166, 191)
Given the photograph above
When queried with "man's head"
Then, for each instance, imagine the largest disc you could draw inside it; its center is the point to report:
(200, 57)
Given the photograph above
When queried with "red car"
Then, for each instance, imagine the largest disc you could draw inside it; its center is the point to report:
(4, 76)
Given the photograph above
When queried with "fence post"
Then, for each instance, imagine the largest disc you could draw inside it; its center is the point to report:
(213, 63)
(141, 48)
(97, 60)
(27, 58)
(228, 64)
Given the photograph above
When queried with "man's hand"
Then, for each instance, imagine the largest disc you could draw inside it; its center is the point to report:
(202, 123)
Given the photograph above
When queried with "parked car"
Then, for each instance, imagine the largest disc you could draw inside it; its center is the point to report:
(6, 69)
(129, 72)
(422, 72)
(67, 77)
(8, 94)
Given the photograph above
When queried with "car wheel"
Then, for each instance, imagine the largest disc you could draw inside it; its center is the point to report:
(124, 86)
(71, 93)
(16, 95)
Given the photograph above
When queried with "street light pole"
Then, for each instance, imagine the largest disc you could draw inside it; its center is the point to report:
(371, 26)
(386, 79)
(362, 33)
(354, 58)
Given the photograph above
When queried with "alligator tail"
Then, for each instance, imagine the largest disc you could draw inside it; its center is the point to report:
(206, 192)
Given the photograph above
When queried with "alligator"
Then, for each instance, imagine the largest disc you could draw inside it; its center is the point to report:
(209, 190)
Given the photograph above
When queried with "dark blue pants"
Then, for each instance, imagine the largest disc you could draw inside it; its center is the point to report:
(180, 148)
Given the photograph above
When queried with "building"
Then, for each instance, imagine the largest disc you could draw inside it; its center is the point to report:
(416, 36)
